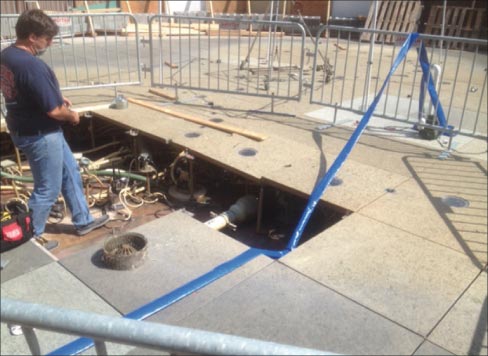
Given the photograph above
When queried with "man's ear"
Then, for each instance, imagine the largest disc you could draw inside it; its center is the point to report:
(32, 38)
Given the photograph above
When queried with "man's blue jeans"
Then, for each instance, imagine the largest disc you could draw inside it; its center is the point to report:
(54, 170)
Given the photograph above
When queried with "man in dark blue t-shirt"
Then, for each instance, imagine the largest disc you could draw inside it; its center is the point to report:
(36, 109)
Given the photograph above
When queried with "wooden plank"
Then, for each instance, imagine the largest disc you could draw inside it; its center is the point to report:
(366, 36)
(398, 16)
(217, 126)
(459, 22)
(164, 30)
(381, 13)
(162, 94)
(401, 16)
(393, 20)
(210, 3)
(451, 24)
(404, 25)
(477, 25)
(90, 21)
(431, 20)
(469, 23)
(385, 19)
(242, 33)
(462, 17)
(127, 3)
(414, 17)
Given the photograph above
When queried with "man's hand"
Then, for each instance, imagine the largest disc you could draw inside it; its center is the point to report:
(67, 102)
(63, 113)
(75, 119)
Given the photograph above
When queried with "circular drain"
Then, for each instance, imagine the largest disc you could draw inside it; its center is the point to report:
(455, 202)
(335, 182)
(216, 119)
(248, 152)
(192, 134)
(124, 252)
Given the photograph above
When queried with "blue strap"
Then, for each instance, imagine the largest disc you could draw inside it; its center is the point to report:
(428, 82)
(339, 161)
(82, 344)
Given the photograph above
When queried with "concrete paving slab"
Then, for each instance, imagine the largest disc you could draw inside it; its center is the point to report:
(52, 285)
(475, 149)
(271, 154)
(361, 184)
(374, 148)
(428, 348)
(407, 279)
(214, 145)
(23, 259)
(424, 209)
(280, 305)
(180, 249)
(470, 312)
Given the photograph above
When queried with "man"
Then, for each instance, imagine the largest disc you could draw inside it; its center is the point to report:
(36, 109)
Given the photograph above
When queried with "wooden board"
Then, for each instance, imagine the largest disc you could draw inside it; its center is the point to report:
(394, 16)
(221, 127)
(459, 22)
(171, 29)
(175, 30)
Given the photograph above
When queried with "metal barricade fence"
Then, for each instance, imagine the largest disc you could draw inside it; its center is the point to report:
(90, 51)
(458, 68)
(217, 55)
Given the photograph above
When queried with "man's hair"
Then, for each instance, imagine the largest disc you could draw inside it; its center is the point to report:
(35, 22)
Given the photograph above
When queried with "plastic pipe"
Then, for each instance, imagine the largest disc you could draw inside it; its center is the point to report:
(28, 179)
(23, 179)
(243, 209)
(109, 172)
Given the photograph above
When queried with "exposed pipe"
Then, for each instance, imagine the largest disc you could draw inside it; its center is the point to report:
(28, 179)
(242, 210)
(119, 174)
(436, 76)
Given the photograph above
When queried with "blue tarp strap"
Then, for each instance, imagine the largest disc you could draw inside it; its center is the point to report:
(319, 189)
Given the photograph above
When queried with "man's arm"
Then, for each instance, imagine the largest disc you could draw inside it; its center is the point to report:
(63, 113)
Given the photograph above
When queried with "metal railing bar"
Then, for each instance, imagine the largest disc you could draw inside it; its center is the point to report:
(32, 340)
(140, 333)
(100, 347)
(479, 106)
(468, 88)
(345, 68)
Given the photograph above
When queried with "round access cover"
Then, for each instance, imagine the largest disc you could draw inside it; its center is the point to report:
(126, 251)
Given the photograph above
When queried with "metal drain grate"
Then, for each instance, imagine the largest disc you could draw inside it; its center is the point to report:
(248, 152)
(126, 251)
(455, 202)
(192, 134)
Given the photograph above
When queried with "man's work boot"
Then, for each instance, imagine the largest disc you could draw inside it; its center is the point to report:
(98, 222)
